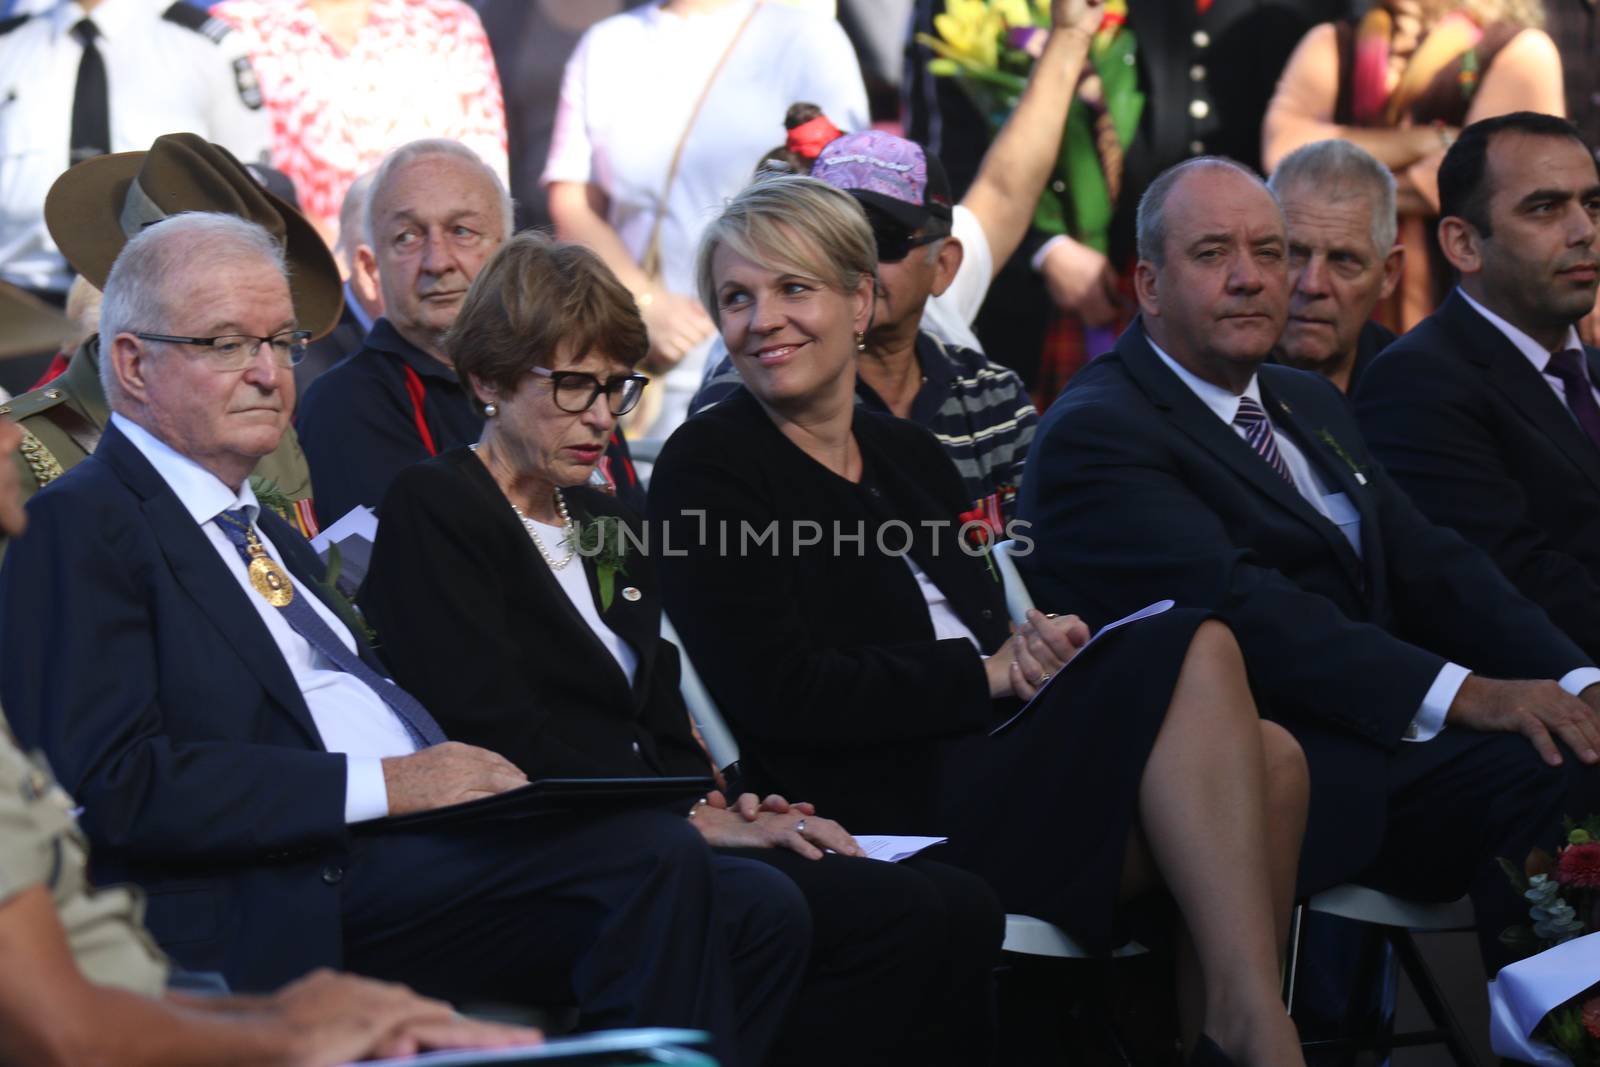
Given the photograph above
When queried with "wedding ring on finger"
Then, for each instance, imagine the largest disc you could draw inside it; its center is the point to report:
(800, 827)
(1043, 678)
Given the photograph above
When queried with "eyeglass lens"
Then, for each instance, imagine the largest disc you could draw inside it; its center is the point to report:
(576, 392)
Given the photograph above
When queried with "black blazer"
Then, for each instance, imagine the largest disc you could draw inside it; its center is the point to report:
(477, 627)
(1138, 491)
(863, 707)
(132, 657)
(1483, 445)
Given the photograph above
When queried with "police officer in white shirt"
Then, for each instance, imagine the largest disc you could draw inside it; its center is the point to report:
(86, 77)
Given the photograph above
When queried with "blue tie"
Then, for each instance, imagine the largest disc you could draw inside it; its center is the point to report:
(299, 614)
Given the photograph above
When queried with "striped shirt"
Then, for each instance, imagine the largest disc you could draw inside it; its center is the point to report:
(979, 411)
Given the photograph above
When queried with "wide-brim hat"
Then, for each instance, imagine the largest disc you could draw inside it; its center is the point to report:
(29, 326)
(96, 206)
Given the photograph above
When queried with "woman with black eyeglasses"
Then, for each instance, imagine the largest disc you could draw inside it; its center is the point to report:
(508, 598)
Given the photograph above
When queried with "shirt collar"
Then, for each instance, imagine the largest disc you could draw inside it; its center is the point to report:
(358, 312)
(110, 18)
(1530, 348)
(202, 494)
(384, 337)
(1221, 402)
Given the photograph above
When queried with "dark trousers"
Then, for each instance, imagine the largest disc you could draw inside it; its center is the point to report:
(902, 962)
(1460, 801)
(623, 914)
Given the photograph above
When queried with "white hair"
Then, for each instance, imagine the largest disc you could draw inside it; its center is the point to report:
(1337, 169)
(162, 256)
(409, 153)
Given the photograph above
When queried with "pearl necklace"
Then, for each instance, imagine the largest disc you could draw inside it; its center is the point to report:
(566, 524)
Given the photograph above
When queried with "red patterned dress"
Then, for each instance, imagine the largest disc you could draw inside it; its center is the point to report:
(418, 68)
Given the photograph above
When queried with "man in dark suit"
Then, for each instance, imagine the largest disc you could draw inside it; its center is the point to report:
(236, 747)
(1179, 466)
(1338, 207)
(1486, 412)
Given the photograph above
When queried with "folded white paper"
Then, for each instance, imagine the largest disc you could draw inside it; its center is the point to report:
(1525, 992)
(1143, 613)
(892, 849)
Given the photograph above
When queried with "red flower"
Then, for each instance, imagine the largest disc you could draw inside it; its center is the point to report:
(1579, 866)
(1591, 1017)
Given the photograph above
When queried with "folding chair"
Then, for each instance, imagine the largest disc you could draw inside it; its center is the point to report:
(1398, 919)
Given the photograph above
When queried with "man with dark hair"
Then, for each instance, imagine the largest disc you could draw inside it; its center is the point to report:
(1179, 466)
(1487, 412)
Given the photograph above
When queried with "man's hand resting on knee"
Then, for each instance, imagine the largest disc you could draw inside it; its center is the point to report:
(451, 773)
(1534, 709)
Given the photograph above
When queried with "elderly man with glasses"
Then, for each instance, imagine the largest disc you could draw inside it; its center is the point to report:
(238, 750)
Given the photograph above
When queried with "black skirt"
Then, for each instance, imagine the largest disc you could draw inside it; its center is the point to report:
(1045, 808)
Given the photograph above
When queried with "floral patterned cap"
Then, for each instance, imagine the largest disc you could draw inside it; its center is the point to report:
(889, 173)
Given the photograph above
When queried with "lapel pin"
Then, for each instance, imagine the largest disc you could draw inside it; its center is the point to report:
(630, 594)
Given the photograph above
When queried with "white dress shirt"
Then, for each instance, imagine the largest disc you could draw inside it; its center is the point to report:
(162, 77)
(574, 581)
(1533, 350)
(351, 718)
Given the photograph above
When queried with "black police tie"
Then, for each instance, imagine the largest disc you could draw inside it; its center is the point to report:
(91, 104)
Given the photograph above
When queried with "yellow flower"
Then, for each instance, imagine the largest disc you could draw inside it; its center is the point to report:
(1015, 12)
(970, 32)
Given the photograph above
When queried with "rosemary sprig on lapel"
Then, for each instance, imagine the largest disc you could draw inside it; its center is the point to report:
(1327, 438)
(600, 539)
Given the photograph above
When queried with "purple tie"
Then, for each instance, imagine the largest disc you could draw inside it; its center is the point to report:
(1258, 433)
(1569, 367)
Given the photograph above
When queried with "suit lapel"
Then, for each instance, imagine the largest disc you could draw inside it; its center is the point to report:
(1337, 473)
(637, 622)
(194, 564)
(1191, 416)
(1512, 376)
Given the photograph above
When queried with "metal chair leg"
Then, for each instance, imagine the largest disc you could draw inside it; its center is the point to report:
(1291, 957)
(1432, 997)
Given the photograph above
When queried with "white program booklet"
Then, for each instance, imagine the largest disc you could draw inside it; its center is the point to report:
(1143, 613)
(603, 1041)
(893, 849)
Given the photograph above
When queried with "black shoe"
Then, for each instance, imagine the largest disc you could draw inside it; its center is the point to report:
(1206, 1053)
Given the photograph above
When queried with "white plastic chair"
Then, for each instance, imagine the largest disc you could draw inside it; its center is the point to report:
(1399, 919)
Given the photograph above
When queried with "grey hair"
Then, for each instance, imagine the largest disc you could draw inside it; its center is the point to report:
(353, 220)
(412, 151)
(1150, 221)
(159, 257)
(1337, 170)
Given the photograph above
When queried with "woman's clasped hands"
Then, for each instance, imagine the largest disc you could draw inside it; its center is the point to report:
(753, 822)
(1042, 645)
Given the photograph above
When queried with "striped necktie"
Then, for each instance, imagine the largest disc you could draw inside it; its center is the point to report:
(1258, 433)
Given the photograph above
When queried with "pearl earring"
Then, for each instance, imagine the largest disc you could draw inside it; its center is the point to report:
(861, 341)
(490, 411)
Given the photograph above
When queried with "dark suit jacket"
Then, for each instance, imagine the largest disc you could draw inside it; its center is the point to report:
(861, 706)
(130, 654)
(480, 631)
(1483, 445)
(1138, 491)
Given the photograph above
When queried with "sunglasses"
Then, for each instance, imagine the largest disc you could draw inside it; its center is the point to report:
(896, 242)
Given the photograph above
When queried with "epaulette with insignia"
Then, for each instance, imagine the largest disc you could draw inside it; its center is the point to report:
(192, 18)
(21, 407)
(9, 24)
